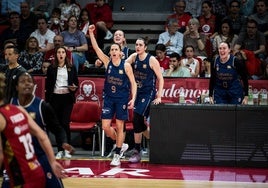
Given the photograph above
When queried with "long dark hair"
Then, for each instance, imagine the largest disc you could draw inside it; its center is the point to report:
(231, 30)
(67, 61)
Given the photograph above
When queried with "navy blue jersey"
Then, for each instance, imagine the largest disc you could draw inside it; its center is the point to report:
(144, 76)
(226, 73)
(116, 83)
(226, 82)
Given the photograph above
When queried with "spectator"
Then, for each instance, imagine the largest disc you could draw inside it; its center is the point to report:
(238, 22)
(194, 38)
(253, 42)
(8, 6)
(193, 8)
(43, 35)
(101, 16)
(227, 73)
(55, 23)
(208, 20)
(50, 55)
(176, 69)
(83, 23)
(261, 16)
(61, 85)
(146, 71)
(225, 34)
(75, 41)
(219, 7)
(172, 39)
(44, 67)
(206, 72)
(190, 61)
(247, 7)
(160, 51)
(265, 72)
(11, 70)
(119, 83)
(28, 171)
(28, 23)
(31, 58)
(42, 7)
(69, 8)
(13, 32)
(180, 15)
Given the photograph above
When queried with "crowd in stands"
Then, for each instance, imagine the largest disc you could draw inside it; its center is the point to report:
(198, 26)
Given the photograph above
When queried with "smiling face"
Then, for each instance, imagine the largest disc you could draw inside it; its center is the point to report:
(224, 50)
(119, 37)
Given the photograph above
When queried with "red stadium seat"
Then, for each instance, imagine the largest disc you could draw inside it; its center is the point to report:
(85, 117)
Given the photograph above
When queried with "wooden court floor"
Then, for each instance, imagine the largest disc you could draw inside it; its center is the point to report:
(97, 173)
(148, 183)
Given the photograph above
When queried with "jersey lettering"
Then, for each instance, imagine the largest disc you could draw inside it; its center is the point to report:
(26, 140)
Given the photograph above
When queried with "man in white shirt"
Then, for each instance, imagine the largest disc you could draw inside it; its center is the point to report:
(44, 35)
(172, 39)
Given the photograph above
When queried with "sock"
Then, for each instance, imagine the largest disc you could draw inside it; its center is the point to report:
(117, 150)
(138, 147)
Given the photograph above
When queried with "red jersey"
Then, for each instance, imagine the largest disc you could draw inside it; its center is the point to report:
(164, 63)
(207, 25)
(182, 19)
(20, 160)
(103, 13)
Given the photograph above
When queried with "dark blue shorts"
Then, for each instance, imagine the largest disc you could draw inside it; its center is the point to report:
(142, 104)
(115, 106)
(51, 179)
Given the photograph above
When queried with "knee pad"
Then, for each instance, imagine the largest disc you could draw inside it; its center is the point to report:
(138, 122)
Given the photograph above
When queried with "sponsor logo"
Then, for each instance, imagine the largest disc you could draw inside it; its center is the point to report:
(87, 172)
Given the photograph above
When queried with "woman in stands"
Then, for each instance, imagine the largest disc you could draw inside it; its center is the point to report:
(194, 38)
(31, 58)
(190, 61)
(147, 72)
(76, 42)
(225, 34)
(119, 93)
(228, 82)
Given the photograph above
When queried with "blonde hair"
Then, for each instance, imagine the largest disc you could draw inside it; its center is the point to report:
(194, 21)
